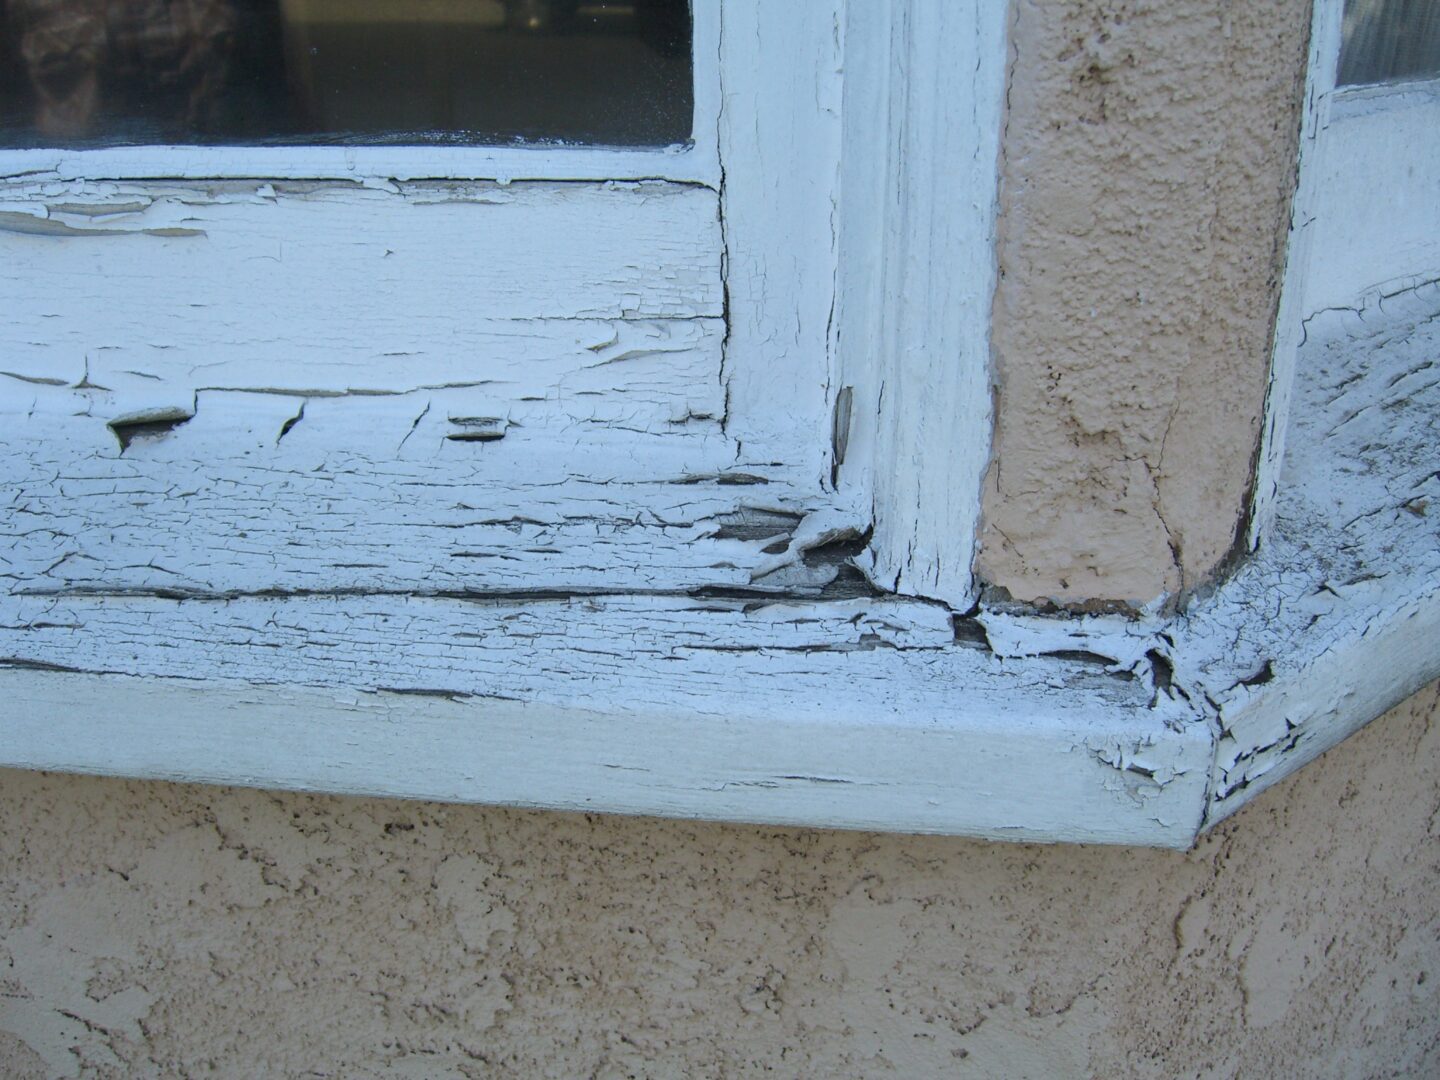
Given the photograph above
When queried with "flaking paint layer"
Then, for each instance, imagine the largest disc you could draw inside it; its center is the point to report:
(1148, 162)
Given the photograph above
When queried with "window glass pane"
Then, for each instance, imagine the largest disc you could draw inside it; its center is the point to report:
(112, 72)
(1389, 40)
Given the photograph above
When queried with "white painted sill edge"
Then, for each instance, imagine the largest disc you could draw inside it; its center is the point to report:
(1090, 730)
(1101, 772)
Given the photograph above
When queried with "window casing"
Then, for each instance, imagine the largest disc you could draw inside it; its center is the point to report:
(624, 589)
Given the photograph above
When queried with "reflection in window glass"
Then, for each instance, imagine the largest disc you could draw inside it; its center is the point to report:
(114, 72)
(1389, 40)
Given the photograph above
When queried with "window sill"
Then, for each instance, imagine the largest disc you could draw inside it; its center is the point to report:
(872, 713)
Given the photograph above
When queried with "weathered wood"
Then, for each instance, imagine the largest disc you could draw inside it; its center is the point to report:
(328, 265)
(716, 709)
(436, 385)
(923, 99)
(1376, 139)
(390, 401)
(386, 578)
(1338, 616)
(450, 489)
(780, 131)
(1347, 246)
(579, 368)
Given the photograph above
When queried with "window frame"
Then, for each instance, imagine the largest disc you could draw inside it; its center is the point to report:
(907, 709)
(684, 497)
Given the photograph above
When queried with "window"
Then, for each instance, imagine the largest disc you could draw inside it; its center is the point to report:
(97, 72)
(1351, 415)
(492, 343)
(1371, 154)
(637, 479)
(1389, 41)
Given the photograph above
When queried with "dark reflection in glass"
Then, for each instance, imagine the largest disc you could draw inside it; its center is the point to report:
(1389, 41)
(119, 72)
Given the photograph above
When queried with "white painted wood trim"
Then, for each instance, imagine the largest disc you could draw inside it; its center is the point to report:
(442, 364)
(780, 145)
(925, 83)
(1365, 220)
(1337, 617)
(1321, 59)
(875, 712)
(1374, 218)
(1014, 778)
(1329, 690)
(1354, 262)
(504, 164)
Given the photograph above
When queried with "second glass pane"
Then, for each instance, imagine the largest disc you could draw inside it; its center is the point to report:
(1389, 41)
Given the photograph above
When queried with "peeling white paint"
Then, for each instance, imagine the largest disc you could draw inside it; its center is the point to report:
(923, 100)
(1337, 618)
(522, 493)
(435, 385)
(862, 714)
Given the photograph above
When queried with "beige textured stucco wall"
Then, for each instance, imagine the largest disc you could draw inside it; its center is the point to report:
(150, 929)
(1148, 161)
